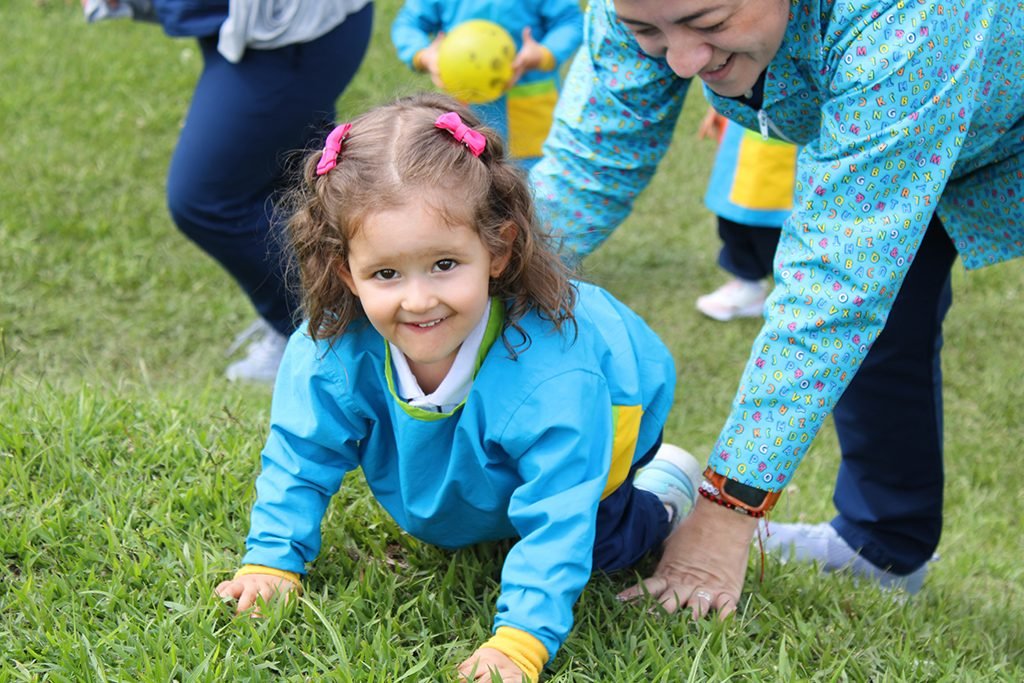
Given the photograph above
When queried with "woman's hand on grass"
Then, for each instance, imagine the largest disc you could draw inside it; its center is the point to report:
(480, 664)
(247, 589)
(704, 563)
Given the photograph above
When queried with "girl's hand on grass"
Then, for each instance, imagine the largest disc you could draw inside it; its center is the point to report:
(246, 589)
(704, 563)
(485, 660)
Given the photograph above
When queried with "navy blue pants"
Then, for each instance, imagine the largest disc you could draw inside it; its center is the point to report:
(630, 523)
(243, 122)
(889, 421)
(747, 250)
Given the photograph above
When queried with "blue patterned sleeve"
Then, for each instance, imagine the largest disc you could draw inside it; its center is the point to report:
(892, 130)
(613, 124)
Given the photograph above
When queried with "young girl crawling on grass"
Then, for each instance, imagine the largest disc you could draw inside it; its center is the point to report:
(484, 395)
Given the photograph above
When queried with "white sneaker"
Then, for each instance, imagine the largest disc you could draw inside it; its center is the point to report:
(822, 544)
(673, 476)
(263, 356)
(735, 299)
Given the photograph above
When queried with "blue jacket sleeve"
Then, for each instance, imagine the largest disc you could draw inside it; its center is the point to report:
(866, 190)
(562, 24)
(612, 126)
(312, 444)
(562, 447)
(414, 27)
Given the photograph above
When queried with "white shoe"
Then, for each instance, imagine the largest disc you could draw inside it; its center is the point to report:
(673, 475)
(263, 355)
(735, 299)
(822, 544)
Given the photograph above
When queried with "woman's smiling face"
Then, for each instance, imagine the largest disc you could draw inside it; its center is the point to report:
(725, 43)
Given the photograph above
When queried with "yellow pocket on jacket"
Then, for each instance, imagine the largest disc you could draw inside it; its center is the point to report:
(765, 173)
(531, 107)
(626, 427)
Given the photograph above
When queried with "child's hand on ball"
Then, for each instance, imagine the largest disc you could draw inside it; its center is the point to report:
(426, 60)
(531, 56)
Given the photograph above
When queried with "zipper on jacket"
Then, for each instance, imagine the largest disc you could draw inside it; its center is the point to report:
(766, 125)
(762, 122)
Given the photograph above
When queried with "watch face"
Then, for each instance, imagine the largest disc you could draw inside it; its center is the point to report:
(747, 495)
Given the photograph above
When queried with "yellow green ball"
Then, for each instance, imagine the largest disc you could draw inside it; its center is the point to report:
(475, 61)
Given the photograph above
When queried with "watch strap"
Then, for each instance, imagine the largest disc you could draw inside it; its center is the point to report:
(714, 489)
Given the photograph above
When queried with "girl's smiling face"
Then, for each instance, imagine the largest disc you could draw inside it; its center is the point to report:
(725, 43)
(422, 282)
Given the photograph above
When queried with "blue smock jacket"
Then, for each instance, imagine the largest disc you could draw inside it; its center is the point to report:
(530, 453)
(523, 115)
(903, 108)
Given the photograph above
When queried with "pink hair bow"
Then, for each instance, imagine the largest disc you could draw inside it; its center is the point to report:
(461, 132)
(332, 148)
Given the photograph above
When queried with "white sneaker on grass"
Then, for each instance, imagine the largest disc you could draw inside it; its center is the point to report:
(735, 299)
(822, 544)
(263, 355)
(673, 476)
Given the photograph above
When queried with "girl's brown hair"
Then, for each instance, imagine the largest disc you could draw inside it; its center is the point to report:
(394, 153)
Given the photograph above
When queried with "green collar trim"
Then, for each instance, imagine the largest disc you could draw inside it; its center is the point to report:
(495, 324)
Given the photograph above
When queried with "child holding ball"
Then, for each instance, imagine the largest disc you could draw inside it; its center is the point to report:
(547, 34)
(484, 394)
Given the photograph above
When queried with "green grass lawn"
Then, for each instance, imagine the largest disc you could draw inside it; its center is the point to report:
(127, 461)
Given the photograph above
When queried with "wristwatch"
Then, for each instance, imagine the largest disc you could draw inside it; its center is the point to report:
(737, 496)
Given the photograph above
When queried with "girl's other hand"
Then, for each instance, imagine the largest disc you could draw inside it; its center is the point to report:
(246, 589)
(485, 660)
